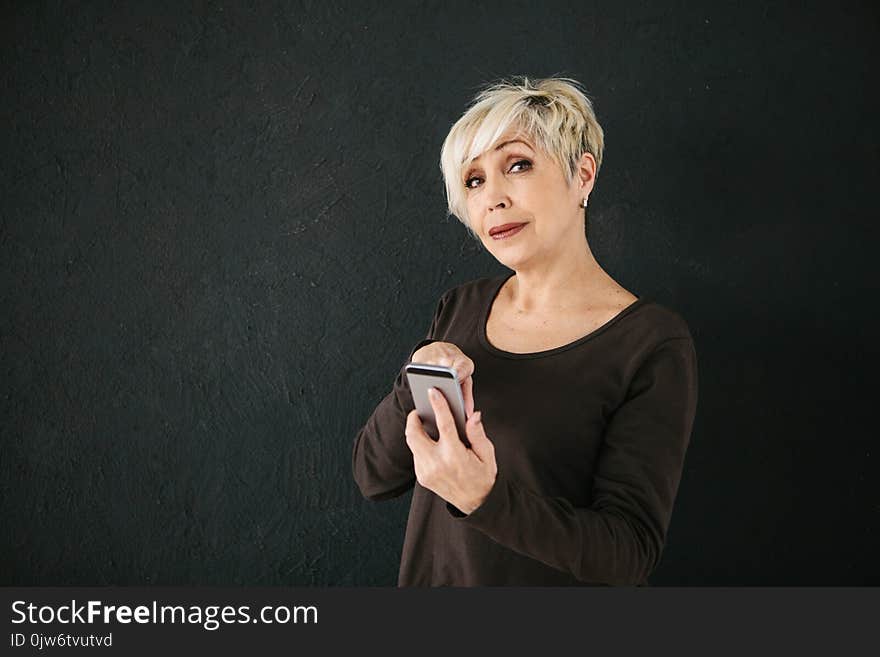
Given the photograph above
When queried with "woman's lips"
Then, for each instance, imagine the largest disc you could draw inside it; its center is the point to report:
(510, 232)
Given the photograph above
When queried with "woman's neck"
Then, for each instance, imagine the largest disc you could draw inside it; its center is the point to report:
(559, 285)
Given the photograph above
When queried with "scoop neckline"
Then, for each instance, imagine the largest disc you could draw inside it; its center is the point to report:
(484, 320)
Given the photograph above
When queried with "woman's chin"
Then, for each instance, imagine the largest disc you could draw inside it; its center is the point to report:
(511, 252)
(512, 258)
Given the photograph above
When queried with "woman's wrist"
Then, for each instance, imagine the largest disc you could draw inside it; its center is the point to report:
(477, 503)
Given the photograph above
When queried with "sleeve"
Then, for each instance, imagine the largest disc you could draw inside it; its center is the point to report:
(618, 540)
(382, 463)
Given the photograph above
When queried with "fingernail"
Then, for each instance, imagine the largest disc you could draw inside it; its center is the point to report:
(432, 392)
(479, 417)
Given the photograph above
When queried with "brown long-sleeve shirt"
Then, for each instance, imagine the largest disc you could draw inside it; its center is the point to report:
(589, 438)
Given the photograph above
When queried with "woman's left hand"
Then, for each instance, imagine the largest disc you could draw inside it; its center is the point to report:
(461, 476)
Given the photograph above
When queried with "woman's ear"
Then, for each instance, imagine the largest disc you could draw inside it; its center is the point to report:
(586, 173)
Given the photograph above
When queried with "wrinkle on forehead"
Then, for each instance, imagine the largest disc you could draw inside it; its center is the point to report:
(516, 136)
(506, 122)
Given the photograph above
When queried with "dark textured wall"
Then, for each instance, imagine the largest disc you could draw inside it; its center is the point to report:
(223, 227)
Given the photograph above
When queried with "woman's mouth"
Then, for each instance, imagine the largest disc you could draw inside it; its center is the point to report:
(506, 231)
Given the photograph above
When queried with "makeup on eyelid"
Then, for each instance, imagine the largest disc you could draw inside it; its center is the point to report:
(528, 163)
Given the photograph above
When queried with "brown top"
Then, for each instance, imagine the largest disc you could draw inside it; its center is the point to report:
(590, 439)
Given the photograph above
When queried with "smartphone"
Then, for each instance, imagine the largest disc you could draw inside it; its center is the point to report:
(423, 377)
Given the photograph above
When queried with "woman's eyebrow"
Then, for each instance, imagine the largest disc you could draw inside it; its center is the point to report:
(502, 145)
(510, 141)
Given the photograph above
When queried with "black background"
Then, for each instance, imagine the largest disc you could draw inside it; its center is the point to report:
(224, 226)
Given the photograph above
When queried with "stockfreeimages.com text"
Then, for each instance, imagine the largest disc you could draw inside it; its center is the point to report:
(211, 617)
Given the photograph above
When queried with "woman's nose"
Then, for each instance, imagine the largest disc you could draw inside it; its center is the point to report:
(497, 196)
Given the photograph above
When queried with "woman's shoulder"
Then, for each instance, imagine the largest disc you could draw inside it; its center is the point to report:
(667, 322)
(655, 328)
(474, 291)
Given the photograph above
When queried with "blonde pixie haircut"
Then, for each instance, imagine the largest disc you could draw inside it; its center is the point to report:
(553, 112)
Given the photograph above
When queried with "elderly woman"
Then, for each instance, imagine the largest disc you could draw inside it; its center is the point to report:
(586, 393)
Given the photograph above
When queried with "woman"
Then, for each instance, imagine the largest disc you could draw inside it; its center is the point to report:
(586, 393)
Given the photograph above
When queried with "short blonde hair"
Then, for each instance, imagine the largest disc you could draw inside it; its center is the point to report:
(554, 112)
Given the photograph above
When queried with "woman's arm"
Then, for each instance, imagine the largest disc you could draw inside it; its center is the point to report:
(618, 540)
(381, 462)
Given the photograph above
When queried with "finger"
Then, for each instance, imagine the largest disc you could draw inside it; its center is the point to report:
(467, 392)
(416, 437)
(464, 367)
(443, 417)
(480, 443)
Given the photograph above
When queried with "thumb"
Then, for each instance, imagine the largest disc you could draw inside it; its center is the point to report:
(480, 443)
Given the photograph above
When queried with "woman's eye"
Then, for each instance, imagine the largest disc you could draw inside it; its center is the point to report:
(524, 164)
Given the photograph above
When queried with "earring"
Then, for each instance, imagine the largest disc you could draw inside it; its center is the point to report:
(586, 198)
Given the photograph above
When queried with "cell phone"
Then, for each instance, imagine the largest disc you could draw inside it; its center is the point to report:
(422, 377)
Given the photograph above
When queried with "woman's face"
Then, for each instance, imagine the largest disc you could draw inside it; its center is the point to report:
(515, 186)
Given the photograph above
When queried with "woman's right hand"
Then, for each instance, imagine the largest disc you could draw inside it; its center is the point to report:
(449, 355)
